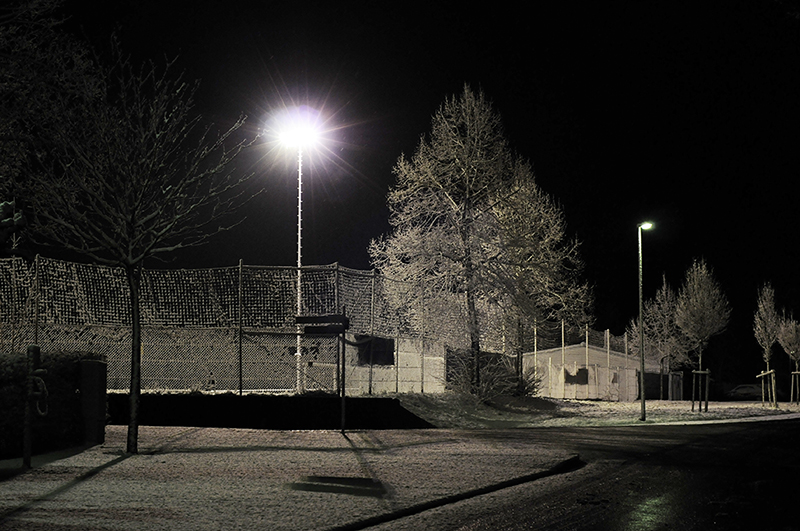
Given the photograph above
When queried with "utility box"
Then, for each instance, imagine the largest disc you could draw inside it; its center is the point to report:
(93, 400)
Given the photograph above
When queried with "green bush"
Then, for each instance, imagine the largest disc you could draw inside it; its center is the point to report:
(62, 427)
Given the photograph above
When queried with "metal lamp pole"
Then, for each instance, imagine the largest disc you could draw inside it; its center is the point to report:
(642, 226)
(299, 131)
(298, 353)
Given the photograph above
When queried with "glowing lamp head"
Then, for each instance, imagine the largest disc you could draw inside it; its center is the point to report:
(299, 128)
(646, 225)
(300, 136)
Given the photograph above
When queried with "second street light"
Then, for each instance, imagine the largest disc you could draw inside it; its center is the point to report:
(642, 226)
(299, 132)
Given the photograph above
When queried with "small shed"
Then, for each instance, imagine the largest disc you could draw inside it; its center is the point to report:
(587, 372)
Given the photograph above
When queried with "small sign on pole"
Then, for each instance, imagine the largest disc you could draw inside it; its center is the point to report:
(330, 325)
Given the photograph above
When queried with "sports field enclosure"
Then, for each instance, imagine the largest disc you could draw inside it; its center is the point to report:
(234, 329)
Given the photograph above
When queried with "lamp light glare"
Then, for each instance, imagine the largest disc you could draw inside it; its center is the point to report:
(298, 127)
(646, 225)
(299, 136)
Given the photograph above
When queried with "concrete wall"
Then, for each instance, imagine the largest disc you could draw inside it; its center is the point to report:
(419, 367)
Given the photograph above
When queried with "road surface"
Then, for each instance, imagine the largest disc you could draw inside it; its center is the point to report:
(704, 477)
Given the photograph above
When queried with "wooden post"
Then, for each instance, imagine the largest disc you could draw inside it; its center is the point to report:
(697, 388)
(768, 388)
(795, 396)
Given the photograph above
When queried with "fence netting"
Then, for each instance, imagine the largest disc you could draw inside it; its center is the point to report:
(233, 328)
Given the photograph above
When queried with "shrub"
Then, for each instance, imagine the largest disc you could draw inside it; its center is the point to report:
(498, 376)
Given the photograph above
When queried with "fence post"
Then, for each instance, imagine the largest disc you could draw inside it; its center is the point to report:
(371, 329)
(36, 266)
(239, 339)
(15, 320)
(336, 281)
(535, 348)
(625, 336)
(563, 362)
(587, 345)
(587, 360)
(422, 346)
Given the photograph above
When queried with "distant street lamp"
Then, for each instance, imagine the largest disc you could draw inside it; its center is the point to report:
(299, 131)
(642, 226)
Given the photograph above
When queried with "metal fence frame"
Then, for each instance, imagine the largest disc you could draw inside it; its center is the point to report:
(233, 328)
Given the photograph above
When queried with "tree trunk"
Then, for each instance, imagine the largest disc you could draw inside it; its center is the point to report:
(469, 282)
(134, 276)
(474, 333)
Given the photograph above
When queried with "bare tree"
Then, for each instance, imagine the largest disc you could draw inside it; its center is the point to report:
(766, 322)
(136, 176)
(469, 220)
(703, 310)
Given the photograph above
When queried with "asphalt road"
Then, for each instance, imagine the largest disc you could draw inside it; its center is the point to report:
(727, 476)
(709, 477)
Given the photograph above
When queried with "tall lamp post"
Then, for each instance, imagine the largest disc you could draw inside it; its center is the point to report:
(642, 226)
(299, 132)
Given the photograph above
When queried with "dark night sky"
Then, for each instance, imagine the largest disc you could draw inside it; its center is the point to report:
(684, 113)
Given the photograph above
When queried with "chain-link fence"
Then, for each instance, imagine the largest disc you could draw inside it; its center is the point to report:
(234, 328)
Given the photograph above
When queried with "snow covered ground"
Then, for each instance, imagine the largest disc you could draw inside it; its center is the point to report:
(596, 413)
(450, 411)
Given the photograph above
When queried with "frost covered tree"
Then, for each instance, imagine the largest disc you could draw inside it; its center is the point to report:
(766, 322)
(470, 224)
(45, 75)
(789, 338)
(666, 342)
(135, 175)
(702, 311)
(536, 266)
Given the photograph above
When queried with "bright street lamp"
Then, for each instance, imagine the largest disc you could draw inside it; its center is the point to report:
(299, 131)
(642, 226)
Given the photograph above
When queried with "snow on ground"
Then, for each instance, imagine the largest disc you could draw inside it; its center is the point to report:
(597, 413)
(448, 410)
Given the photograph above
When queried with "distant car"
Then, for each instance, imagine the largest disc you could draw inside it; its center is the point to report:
(745, 392)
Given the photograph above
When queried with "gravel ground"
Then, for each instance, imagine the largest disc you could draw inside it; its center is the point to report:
(211, 478)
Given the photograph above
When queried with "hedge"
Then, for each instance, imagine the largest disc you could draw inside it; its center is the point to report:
(62, 427)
